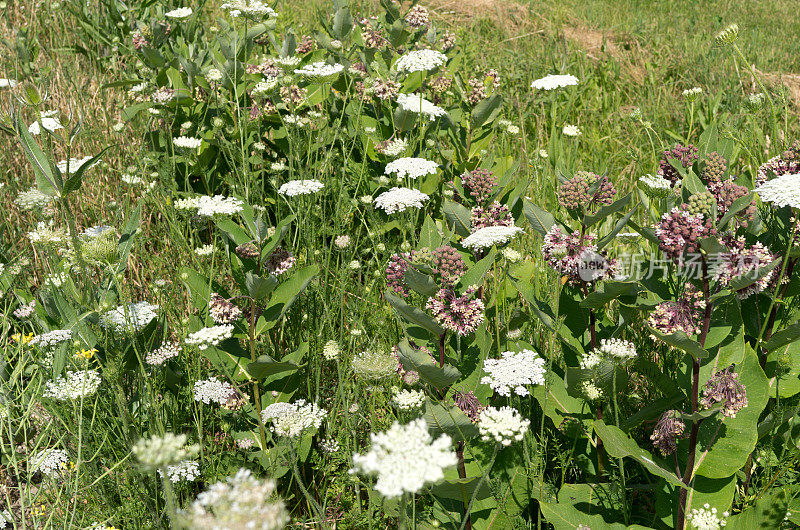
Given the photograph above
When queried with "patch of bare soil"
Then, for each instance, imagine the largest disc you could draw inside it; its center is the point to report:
(790, 81)
(600, 46)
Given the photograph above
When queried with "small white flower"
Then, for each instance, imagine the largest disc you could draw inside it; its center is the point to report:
(504, 425)
(290, 420)
(50, 462)
(571, 130)
(254, 9)
(163, 353)
(181, 13)
(212, 390)
(210, 336)
(342, 241)
(294, 188)
(74, 385)
(395, 147)
(331, 350)
(320, 70)
(187, 142)
(74, 165)
(781, 191)
(33, 199)
(204, 250)
(411, 167)
(419, 105)
(400, 199)
(692, 93)
(214, 75)
(706, 518)
(513, 371)
(552, 82)
(186, 471)
(405, 458)
(132, 317)
(51, 338)
(7, 83)
(489, 236)
(420, 61)
(293, 60)
(408, 399)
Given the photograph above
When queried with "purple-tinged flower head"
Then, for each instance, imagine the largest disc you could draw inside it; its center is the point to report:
(724, 387)
(713, 169)
(267, 68)
(410, 377)
(726, 193)
(385, 89)
(575, 256)
(223, 311)
(685, 155)
(448, 40)
(575, 193)
(479, 183)
(668, 431)
(306, 45)
(684, 315)
(681, 232)
(448, 263)
(417, 17)
(234, 401)
(396, 273)
(459, 314)
(469, 404)
(280, 261)
(247, 250)
(441, 84)
(495, 214)
(743, 261)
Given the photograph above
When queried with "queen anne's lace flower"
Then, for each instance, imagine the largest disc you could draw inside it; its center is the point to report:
(132, 317)
(163, 353)
(410, 167)
(180, 13)
(242, 501)
(32, 199)
(294, 188)
(255, 9)
(51, 338)
(290, 420)
(50, 462)
(781, 191)
(405, 458)
(419, 105)
(655, 185)
(320, 70)
(408, 399)
(571, 130)
(74, 165)
(212, 390)
(393, 148)
(186, 471)
(75, 385)
(187, 142)
(49, 119)
(210, 336)
(158, 452)
(400, 199)
(552, 82)
(513, 371)
(374, 365)
(6, 519)
(331, 350)
(621, 350)
(706, 518)
(504, 425)
(489, 236)
(8, 83)
(420, 61)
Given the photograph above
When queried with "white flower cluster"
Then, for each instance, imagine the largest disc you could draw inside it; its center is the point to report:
(294, 188)
(76, 385)
(49, 119)
(292, 60)
(655, 184)
(571, 130)
(204, 250)
(241, 502)
(212, 390)
(400, 199)
(692, 93)
(24, 310)
(158, 452)
(8, 83)
(330, 445)
(208, 206)
(513, 371)
(265, 86)
(163, 353)
(50, 462)
(420, 61)
(98, 231)
(132, 317)
(621, 350)
(320, 70)
(6, 518)
(292, 419)
(405, 458)
(552, 82)
(331, 350)
(489, 236)
(782, 191)
(706, 518)
(408, 399)
(419, 105)
(180, 13)
(74, 165)
(411, 167)
(249, 8)
(210, 336)
(186, 471)
(187, 142)
(46, 233)
(32, 199)
(51, 338)
(395, 147)
(504, 425)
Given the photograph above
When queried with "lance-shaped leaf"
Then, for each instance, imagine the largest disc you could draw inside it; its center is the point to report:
(681, 340)
(126, 239)
(462, 489)
(286, 293)
(474, 276)
(738, 205)
(420, 282)
(540, 220)
(458, 216)
(748, 279)
(617, 228)
(266, 366)
(422, 363)
(46, 180)
(605, 211)
(451, 421)
(75, 180)
(414, 315)
(564, 516)
(619, 445)
(785, 336)
(611, 290)
(486, 110)
(259, 287)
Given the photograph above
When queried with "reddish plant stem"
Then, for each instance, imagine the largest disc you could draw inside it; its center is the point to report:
(695, 429)
(462, 473)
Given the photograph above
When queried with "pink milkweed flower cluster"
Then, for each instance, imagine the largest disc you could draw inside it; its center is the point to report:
(459, 314)
(680, 233)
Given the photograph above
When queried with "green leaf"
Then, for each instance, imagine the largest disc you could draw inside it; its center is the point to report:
(422, 363)
(738, 205)
(486, 110)
(126, 239)
(414, 315)
(540, 220)
(236, 233)
(474, 276)
(785, 336)
(565, 516)
(611, 291)
(617, 228)
(342, 23)
(462, 489)
(420, 282)
(46, 180)
(681, 340)
(767, 512)
(458, 216)
(286, 293)
(619, 445)
(605, 211)
(451, 421)
(259, 288)
(266, 366)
